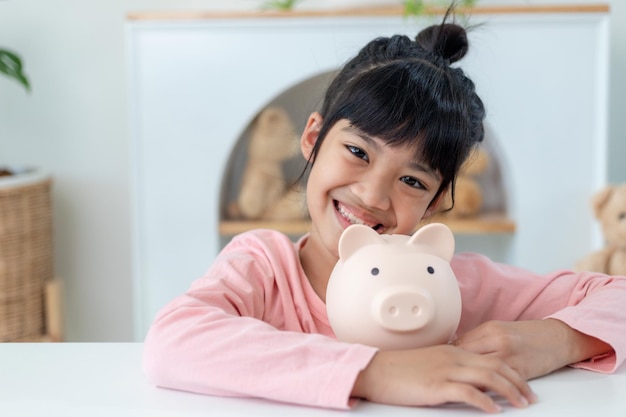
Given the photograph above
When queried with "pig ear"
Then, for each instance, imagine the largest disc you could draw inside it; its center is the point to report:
(355, 237)
(436, 239)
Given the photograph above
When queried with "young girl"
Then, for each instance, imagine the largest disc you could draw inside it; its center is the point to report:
(396, 124)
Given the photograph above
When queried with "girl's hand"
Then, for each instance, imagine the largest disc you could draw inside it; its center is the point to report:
(441, 374)
(533, 348)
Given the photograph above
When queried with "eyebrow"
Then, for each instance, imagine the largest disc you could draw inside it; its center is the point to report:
(358, 132)
(375, 143)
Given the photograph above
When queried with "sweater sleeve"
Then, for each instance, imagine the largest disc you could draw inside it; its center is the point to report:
(244, 329)
(591, 303)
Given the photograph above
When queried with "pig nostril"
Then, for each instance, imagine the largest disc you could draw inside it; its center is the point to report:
(393, 311)
(415, 310)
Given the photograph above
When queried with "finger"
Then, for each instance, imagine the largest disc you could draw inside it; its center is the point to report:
(479, 340)
(497, 377)
(481, 346)
(500, 349)
(518, 379)
(468, 394)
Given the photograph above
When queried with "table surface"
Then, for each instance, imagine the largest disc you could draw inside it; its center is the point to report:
(105, 379)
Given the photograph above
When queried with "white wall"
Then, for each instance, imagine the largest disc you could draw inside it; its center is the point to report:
(74, 123)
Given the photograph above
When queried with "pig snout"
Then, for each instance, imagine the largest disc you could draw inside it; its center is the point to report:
(403, 309)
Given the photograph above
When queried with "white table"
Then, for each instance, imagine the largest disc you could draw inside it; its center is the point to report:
(105, 379)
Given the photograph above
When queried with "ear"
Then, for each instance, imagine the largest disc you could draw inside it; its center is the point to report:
(599, 199)
(310, 134)
(436, 239)
(355, 237)
(433, 208)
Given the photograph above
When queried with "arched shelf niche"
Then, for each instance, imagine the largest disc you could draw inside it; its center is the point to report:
(305, 97)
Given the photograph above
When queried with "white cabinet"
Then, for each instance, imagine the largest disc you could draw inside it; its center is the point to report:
(197, 83)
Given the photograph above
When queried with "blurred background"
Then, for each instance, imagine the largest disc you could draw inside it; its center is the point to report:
(75, 124)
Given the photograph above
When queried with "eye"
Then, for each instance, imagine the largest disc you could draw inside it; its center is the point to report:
(374, 271)
(358, 152)
(412, 182)
(430, 270)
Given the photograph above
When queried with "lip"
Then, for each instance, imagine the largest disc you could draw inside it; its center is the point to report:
(349, 215)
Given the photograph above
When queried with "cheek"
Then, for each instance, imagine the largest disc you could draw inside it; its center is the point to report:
(317, 188)
(315, 179)
(328, 173)
(410, 212)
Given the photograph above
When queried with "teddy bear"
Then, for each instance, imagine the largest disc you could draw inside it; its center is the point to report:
(265, 193)
(468, 195)
(609, 207)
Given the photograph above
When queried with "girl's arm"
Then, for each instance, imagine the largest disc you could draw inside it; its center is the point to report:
(515, 325)
(441, 374)
(534, 347)
(539, 323)
(245, 330)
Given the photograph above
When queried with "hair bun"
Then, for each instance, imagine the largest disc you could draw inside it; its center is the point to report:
(447, 40)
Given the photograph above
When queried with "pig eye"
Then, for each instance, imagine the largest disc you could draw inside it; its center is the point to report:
(430, 270)
(374, 271)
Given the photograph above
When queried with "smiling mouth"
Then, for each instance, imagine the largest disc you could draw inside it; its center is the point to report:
(350, 217)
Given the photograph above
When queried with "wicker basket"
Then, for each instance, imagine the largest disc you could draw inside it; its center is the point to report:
(25, 253)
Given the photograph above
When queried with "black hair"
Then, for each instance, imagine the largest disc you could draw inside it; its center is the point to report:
(406, 92)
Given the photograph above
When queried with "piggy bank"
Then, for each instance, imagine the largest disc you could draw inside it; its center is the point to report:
(394, 291)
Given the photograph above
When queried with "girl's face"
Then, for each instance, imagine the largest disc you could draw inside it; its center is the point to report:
(360, 179)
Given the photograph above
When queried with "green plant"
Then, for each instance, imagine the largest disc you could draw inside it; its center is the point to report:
(283, 5)
(11, 66)
(418, 7)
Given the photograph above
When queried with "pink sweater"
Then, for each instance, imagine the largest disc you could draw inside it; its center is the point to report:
(254, 327)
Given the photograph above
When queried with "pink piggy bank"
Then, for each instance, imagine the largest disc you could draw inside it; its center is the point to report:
(394, 291)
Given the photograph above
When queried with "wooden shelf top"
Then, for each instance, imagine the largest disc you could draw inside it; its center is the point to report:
(365, 11)
(485, 224)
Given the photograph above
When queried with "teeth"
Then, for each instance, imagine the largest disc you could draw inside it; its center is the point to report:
(354, 219)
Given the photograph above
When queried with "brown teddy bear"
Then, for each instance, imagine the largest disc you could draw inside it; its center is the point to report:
(468, 195)
(264, 191)
(609, 206)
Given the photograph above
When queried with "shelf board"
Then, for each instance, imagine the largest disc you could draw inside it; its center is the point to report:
(391, 10)
(489, 223)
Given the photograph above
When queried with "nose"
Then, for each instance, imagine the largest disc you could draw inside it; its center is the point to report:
(373, 191)
(403, 309)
